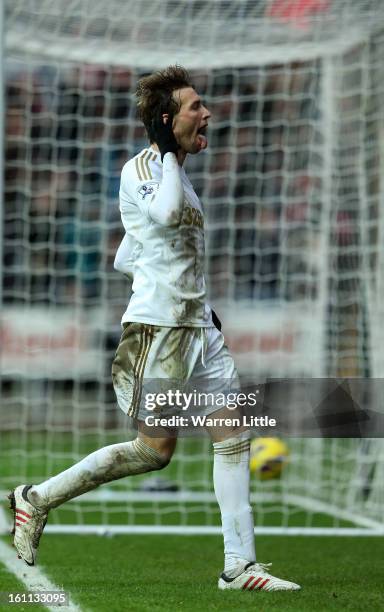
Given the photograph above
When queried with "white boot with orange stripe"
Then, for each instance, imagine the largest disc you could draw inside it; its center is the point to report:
(29, 523)
(255, 577)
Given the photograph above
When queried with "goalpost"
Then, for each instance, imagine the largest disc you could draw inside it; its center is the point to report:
(293, 196)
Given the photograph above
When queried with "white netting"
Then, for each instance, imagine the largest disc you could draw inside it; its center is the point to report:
(214, 33)
(291, 188)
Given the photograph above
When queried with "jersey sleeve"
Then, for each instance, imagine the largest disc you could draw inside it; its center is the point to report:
(126, 255)
(160, 200)
(137, 188)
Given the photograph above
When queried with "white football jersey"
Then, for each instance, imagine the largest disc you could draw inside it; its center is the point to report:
(167, 263)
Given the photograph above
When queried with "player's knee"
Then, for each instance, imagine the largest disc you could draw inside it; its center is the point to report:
(156, 455)
(164, 460)
(164, 456)
(233, 450)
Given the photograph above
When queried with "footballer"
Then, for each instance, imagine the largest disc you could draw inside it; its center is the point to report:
(169, 332)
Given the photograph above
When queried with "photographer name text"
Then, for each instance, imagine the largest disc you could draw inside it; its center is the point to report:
(209, 421)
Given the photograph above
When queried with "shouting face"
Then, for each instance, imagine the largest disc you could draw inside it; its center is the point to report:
(191, 122)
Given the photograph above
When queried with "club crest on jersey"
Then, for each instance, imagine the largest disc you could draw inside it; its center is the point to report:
(147, 189)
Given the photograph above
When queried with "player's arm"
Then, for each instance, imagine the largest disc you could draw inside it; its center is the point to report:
(161, 201)
(123, 259)
(166, 206)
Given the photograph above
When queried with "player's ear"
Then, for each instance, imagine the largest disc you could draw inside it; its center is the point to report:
(165, 117)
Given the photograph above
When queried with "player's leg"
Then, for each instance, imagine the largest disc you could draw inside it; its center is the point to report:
(31, 503)
(231, 483)
(103, 465)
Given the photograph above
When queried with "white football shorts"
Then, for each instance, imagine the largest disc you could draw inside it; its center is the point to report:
(153, 359)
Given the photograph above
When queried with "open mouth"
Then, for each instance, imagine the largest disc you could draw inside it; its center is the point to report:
(201, 137)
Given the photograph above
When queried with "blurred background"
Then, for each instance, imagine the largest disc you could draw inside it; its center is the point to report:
(291, 185)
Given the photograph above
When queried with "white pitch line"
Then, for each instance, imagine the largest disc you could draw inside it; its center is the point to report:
(33, 577)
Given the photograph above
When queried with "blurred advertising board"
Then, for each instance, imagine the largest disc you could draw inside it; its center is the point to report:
(275, 340)
(57, 343)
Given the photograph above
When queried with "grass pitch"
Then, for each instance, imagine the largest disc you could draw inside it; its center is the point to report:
(164, 573)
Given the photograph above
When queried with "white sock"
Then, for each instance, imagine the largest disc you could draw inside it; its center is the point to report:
(106, 464)
(231, 482)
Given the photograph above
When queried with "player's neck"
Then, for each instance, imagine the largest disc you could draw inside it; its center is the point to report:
(181, 155)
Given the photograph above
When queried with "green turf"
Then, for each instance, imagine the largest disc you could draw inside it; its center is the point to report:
(32, 456)
(191, 514)
(164, 573)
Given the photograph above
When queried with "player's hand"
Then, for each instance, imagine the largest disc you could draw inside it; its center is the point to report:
(216, 321)
(164, 136)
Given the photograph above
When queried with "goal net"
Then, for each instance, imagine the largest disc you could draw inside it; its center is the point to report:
(293, 196)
